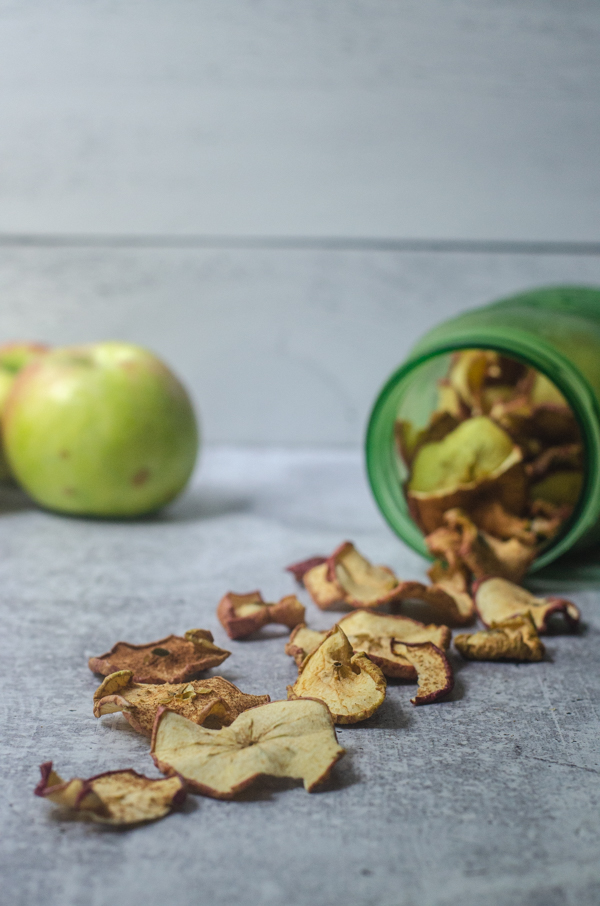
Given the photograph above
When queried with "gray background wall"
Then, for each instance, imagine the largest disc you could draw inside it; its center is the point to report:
(280, 196)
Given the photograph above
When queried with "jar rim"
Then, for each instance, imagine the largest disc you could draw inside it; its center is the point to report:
(517, 344)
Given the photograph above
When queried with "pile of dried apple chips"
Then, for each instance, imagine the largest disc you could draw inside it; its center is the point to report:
(498, 470)
(491, 479)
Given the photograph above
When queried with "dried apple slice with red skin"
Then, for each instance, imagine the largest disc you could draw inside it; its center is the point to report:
(350, 684)
(515, 639)
(434, 672)
(461, 543)
(474, 464)
(293, 739)
(497, 600)
(243, 615)
(371, 633)
(409, 440)
(212, 702)
(170, 660)
(347, 578)
(119, 798)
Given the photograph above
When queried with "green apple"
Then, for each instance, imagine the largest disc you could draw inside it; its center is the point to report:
(104, 429)
(13, 357)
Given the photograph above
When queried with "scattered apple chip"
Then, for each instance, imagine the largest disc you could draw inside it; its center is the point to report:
(213, 702)
(115, 797)
(372, 633)
(348, 578)
(242, 615)
(498, 600)
(350, 684)
(515, 639)
(392, 626)
(170, 660)
(434, 672)
(293, 739)
(475, 463)
(449, 594)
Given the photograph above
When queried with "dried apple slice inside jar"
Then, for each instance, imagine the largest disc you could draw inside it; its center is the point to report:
(477, 461)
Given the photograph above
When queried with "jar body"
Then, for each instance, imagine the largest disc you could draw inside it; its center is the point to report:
(554, 330)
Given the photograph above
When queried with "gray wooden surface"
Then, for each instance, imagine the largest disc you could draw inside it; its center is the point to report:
(490, 797)
(283, 346)
(426, 118)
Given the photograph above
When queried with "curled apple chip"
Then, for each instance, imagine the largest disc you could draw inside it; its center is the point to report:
(282, 739)
(477, 462)
(115, 797)
(242, 615)
(170, 660)
(213, 702)
(350, 684)
(434, 672)
(449, 594)
(346, 577)
(299, 570)
(498, 600)
(562, 489)
(515, 639)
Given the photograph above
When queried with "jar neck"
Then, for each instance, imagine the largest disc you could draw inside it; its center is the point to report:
(381, 458)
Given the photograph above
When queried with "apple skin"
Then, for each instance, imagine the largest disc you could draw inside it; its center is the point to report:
(104, 429)
(13, 358)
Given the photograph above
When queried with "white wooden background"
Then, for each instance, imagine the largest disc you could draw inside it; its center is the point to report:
(280, 195)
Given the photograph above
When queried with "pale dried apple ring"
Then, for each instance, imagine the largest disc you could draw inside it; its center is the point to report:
(498, 600)
(212, 702)
(119, 798)
(293, 739)
(350, 684)
(475, 463)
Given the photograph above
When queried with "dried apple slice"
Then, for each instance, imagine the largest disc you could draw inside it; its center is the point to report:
(242, 615)
(409, 439)
(552, 459)
(562, 489)
(475, 463)
(346, 577)
(460, 543)
(119, 798)
(371, 633)
(434, 672)
(515, 639)
(300, 569)
(498, 600)
(350, 684)
(170, 660)
(213, 702)
(282, 739)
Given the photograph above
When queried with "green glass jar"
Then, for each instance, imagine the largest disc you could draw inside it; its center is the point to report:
(555, 330)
